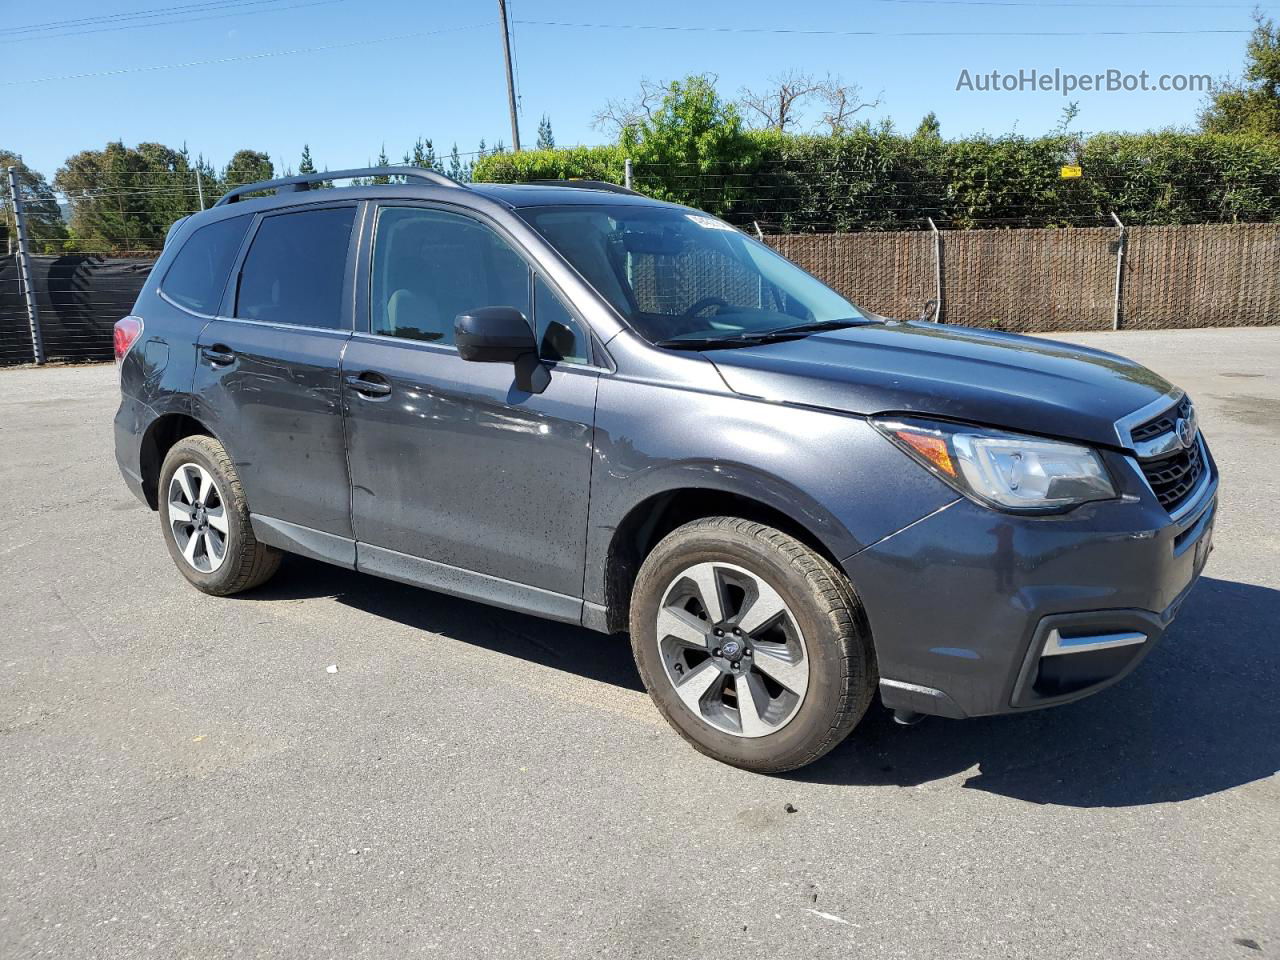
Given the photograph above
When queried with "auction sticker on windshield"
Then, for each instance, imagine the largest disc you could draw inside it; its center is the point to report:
(710, 223)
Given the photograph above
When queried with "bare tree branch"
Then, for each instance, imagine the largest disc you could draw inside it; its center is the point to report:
(779, 107)
(616, 115)
(843, 103)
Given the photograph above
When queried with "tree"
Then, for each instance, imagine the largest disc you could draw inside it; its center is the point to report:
(247, 166)
(125, 198)
(779, 106)
(382, 161)
(1251, 104)
(46, 230)
(843, 101)
(423, 155)
(546, 139)
(457, 169)
(617, 115)
(693, 146)
(929, 128)
(306, 165)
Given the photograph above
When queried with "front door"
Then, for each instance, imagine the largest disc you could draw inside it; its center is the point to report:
(461, 478)
(267, 377)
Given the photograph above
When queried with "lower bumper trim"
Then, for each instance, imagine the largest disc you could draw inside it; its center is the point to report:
(1057, 645)
(914, 698)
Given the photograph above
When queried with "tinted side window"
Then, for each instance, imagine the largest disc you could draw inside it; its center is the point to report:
(560, 336)
(198, 274)
(429, 266)
(294, 270)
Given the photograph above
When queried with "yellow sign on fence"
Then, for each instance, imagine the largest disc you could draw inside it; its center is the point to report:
(1071, 171)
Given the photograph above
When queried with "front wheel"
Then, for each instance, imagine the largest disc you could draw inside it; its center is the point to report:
(752, 645)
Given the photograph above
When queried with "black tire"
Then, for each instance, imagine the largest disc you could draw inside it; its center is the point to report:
(842, 668)
(247, 563)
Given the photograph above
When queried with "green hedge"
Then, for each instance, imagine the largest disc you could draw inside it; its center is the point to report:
(875, 180)
(568, 163)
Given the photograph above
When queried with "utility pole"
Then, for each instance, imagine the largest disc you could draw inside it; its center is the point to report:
(24, 267)
(200, 187)
(511, 86)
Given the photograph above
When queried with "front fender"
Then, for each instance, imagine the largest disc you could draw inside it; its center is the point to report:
(832, 473)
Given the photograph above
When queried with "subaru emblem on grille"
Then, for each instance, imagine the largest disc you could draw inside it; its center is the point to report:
(1186, 431)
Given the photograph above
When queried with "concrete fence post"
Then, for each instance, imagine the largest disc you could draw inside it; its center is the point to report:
(626, 173)
(24, 267)
(1123, 242)
(937, 269)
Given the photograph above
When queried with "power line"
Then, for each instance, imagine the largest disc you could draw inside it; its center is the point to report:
(876, 33)
(246, 57)
(136, 15)
(168, 22)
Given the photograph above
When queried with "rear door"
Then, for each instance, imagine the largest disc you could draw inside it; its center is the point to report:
(267, 373)
(453, 461)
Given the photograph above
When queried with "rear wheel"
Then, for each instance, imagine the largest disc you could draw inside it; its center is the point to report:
(752, 645)
(206, 521)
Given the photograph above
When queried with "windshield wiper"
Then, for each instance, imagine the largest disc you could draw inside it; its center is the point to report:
(819, 326)
(767, 336)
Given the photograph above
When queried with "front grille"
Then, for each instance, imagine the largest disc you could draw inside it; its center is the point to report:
(1164, 423)
(1175, 476)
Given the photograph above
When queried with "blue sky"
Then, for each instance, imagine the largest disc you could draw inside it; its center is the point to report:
(346, 101)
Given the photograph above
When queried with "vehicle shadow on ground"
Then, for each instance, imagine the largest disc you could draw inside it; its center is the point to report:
(1196, 718)
(557, 645)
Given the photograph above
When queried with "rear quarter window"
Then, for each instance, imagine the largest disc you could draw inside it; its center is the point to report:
(295, 267)
(198, 274)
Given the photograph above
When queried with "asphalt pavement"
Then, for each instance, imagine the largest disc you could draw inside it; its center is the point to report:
(338, 766)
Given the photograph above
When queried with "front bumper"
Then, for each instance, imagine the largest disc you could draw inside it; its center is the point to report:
(976, 612)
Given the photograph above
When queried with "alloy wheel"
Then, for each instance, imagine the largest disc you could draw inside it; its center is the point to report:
(198, 517)
(732, 649)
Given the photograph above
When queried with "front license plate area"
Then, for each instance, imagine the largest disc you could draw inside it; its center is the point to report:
(1203, 547)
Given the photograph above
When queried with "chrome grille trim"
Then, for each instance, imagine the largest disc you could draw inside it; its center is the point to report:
(1177, 472)
(1125, 425)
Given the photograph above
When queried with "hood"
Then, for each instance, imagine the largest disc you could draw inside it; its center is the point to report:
(1003, 380)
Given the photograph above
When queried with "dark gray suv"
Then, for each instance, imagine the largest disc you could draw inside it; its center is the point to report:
(578, 402)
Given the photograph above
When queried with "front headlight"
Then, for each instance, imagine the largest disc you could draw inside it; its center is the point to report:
(1003, 470)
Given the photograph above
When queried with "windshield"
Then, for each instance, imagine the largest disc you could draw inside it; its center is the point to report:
(682, 278)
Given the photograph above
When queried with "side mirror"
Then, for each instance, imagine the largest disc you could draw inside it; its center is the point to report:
(494, 335)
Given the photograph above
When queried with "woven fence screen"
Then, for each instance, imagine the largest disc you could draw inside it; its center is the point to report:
(888, 273)
(1031, 281)
(1206, 276)
(79, 297)
(1038, 281)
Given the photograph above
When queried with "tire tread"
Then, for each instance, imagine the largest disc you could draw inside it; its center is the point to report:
(849, 629)
(256, 562)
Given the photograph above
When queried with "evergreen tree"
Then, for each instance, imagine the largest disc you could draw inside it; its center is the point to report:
(125, 198)
(424, 155)
(455, 164)
(383, 161)
(546, 139)
(45, 229)
(306, 165)
(246, 166)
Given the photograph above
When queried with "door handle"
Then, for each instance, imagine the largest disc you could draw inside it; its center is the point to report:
(372, 389)
(218, 355)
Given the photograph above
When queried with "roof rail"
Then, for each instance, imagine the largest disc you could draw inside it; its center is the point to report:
(587, 185)
(309, 180)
